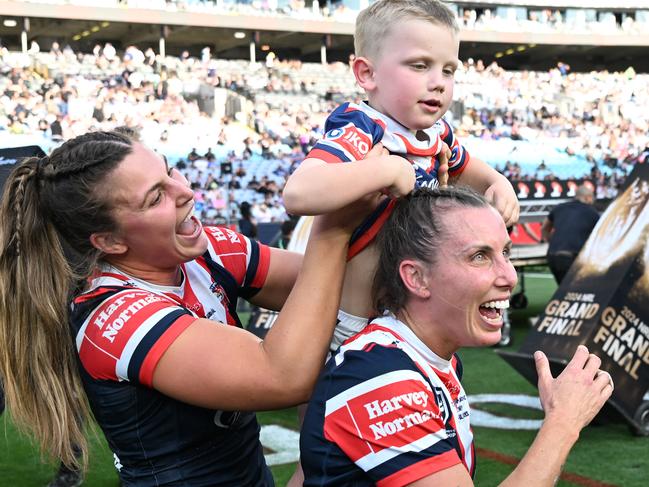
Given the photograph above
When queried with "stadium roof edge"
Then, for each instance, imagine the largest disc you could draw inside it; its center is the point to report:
(598, 4)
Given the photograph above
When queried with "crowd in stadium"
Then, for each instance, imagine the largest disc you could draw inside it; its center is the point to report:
(271, 113)
(504, 18)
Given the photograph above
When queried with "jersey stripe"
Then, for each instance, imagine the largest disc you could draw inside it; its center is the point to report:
(160, 320)
(152, 357)
(421, 469)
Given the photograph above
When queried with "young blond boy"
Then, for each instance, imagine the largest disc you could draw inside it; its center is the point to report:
(406, 57)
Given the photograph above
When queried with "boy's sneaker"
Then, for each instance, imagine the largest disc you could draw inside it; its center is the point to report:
(66, 478)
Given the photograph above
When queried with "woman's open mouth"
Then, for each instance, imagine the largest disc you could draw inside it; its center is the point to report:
(492, 311)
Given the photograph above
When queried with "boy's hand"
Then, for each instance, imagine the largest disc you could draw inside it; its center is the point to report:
(502, 196)
(404, 177)
(442, 171)
(401, 171)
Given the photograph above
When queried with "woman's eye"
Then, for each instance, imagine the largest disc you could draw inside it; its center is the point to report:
(170, 171)
(419, 66)
(157, 199)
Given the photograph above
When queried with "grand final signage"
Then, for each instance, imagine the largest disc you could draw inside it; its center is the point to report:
(603, 303)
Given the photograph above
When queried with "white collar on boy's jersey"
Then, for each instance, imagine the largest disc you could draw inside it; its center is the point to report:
(393, 323)
(433, 132)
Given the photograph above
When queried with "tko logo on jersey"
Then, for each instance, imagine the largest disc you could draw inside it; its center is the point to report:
(351, 139)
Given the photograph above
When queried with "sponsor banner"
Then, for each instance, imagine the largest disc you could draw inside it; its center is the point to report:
(602, 302)
(548, 190)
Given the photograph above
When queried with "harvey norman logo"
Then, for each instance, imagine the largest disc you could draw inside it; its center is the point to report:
(417, 402)
(112, 325)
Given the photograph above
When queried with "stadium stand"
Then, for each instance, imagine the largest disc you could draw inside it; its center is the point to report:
(260, 118)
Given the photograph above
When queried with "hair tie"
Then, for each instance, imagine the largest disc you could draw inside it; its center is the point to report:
(40, 166)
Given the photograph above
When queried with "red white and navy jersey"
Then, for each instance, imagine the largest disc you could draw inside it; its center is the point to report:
(123, 326)
(386, 411)
(351, 131)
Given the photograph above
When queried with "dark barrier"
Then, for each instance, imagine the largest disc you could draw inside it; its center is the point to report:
(9, 156)
(266, 232)
(603, 304)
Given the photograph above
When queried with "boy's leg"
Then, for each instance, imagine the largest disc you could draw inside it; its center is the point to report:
(347, 325)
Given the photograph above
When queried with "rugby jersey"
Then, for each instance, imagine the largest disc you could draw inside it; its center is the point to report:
(386, 411)
(351, 131)
(122, 327)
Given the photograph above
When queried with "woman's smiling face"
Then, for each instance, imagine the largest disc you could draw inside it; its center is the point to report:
(153, 209)
(471, 280)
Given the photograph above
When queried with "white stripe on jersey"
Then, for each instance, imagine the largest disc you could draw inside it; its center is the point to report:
(379, 337)
(369, 385)
(335, 145)
(394, 143)
(372, 460)
(121, 367)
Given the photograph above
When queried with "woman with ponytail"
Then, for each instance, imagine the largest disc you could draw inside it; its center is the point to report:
(115, 302)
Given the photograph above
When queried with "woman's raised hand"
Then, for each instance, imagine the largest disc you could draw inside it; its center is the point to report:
(578, 393)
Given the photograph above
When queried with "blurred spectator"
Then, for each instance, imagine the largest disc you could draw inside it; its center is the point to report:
(285, 233)
(567, 228)
(247, 225)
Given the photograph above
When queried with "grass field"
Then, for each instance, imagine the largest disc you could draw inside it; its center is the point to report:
(606, 455)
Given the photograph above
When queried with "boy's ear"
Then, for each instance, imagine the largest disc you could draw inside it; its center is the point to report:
(108, 243)
(364, 73)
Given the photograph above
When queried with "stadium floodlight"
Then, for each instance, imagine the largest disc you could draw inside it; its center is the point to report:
(521, 48)
(239, 35)
(509, 52)
(76, 38)
(95, 28)
(85, 33)
(498, 55)
(9, 23)
(105, 24)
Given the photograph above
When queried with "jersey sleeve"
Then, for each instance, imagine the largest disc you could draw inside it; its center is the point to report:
(388, 418)
(349, 136)
(247, 260)
(125, 334)
(459, 155)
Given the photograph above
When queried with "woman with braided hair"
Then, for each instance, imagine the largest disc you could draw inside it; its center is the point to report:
(114, 299)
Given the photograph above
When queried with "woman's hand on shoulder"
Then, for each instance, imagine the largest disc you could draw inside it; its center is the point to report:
(341, 223)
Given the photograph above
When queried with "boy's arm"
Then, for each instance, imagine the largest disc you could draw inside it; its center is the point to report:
(497, 189)
(318, 187)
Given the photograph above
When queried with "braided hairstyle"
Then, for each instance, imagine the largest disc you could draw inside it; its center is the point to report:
(50, 207)
(416, 229)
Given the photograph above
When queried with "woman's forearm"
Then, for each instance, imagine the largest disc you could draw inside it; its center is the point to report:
(543, 462)
(297, 343)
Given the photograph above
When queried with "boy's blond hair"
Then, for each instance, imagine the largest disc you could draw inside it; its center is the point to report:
(373, 24)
